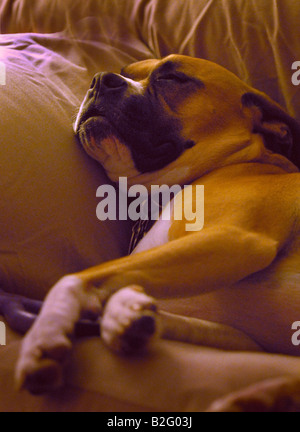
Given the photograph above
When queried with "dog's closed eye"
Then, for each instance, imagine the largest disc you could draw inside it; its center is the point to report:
(173, 77)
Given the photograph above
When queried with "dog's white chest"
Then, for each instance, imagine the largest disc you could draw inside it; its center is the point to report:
(157, 236)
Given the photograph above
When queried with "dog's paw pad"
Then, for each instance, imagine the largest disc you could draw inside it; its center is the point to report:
(130, 321)
(40, 366)
(40, 378)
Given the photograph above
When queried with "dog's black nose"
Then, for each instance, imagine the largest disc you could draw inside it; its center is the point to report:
(113, 81)
(106, 81)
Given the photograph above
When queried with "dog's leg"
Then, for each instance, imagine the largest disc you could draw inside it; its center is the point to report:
(194, 264)
(206, 333)
(191, 265)
(131, 322)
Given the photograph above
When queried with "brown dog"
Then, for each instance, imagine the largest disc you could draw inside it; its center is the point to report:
(190, 122)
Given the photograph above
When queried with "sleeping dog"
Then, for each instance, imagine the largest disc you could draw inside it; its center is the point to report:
(186, 121)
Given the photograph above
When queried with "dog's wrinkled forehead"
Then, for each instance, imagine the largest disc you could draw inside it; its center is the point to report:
(171, 67)
(195, 70)
(143, 70)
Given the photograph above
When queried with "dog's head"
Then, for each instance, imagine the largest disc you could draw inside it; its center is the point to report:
(172, 120)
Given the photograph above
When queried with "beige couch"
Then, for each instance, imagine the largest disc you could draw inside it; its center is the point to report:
(51, 50)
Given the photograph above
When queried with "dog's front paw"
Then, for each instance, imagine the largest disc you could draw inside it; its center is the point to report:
(130, 321)
(43, 354)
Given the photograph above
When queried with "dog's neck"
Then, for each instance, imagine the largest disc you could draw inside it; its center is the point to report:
(192, 166)
(256, 152)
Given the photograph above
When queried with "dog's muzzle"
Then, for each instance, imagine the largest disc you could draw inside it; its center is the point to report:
(104, 85)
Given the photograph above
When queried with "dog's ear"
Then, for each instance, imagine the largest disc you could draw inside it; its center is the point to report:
(281, 132)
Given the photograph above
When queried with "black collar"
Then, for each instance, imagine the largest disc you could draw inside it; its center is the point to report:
(142, 226)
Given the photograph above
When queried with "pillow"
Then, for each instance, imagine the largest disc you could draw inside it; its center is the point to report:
(48, 184)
